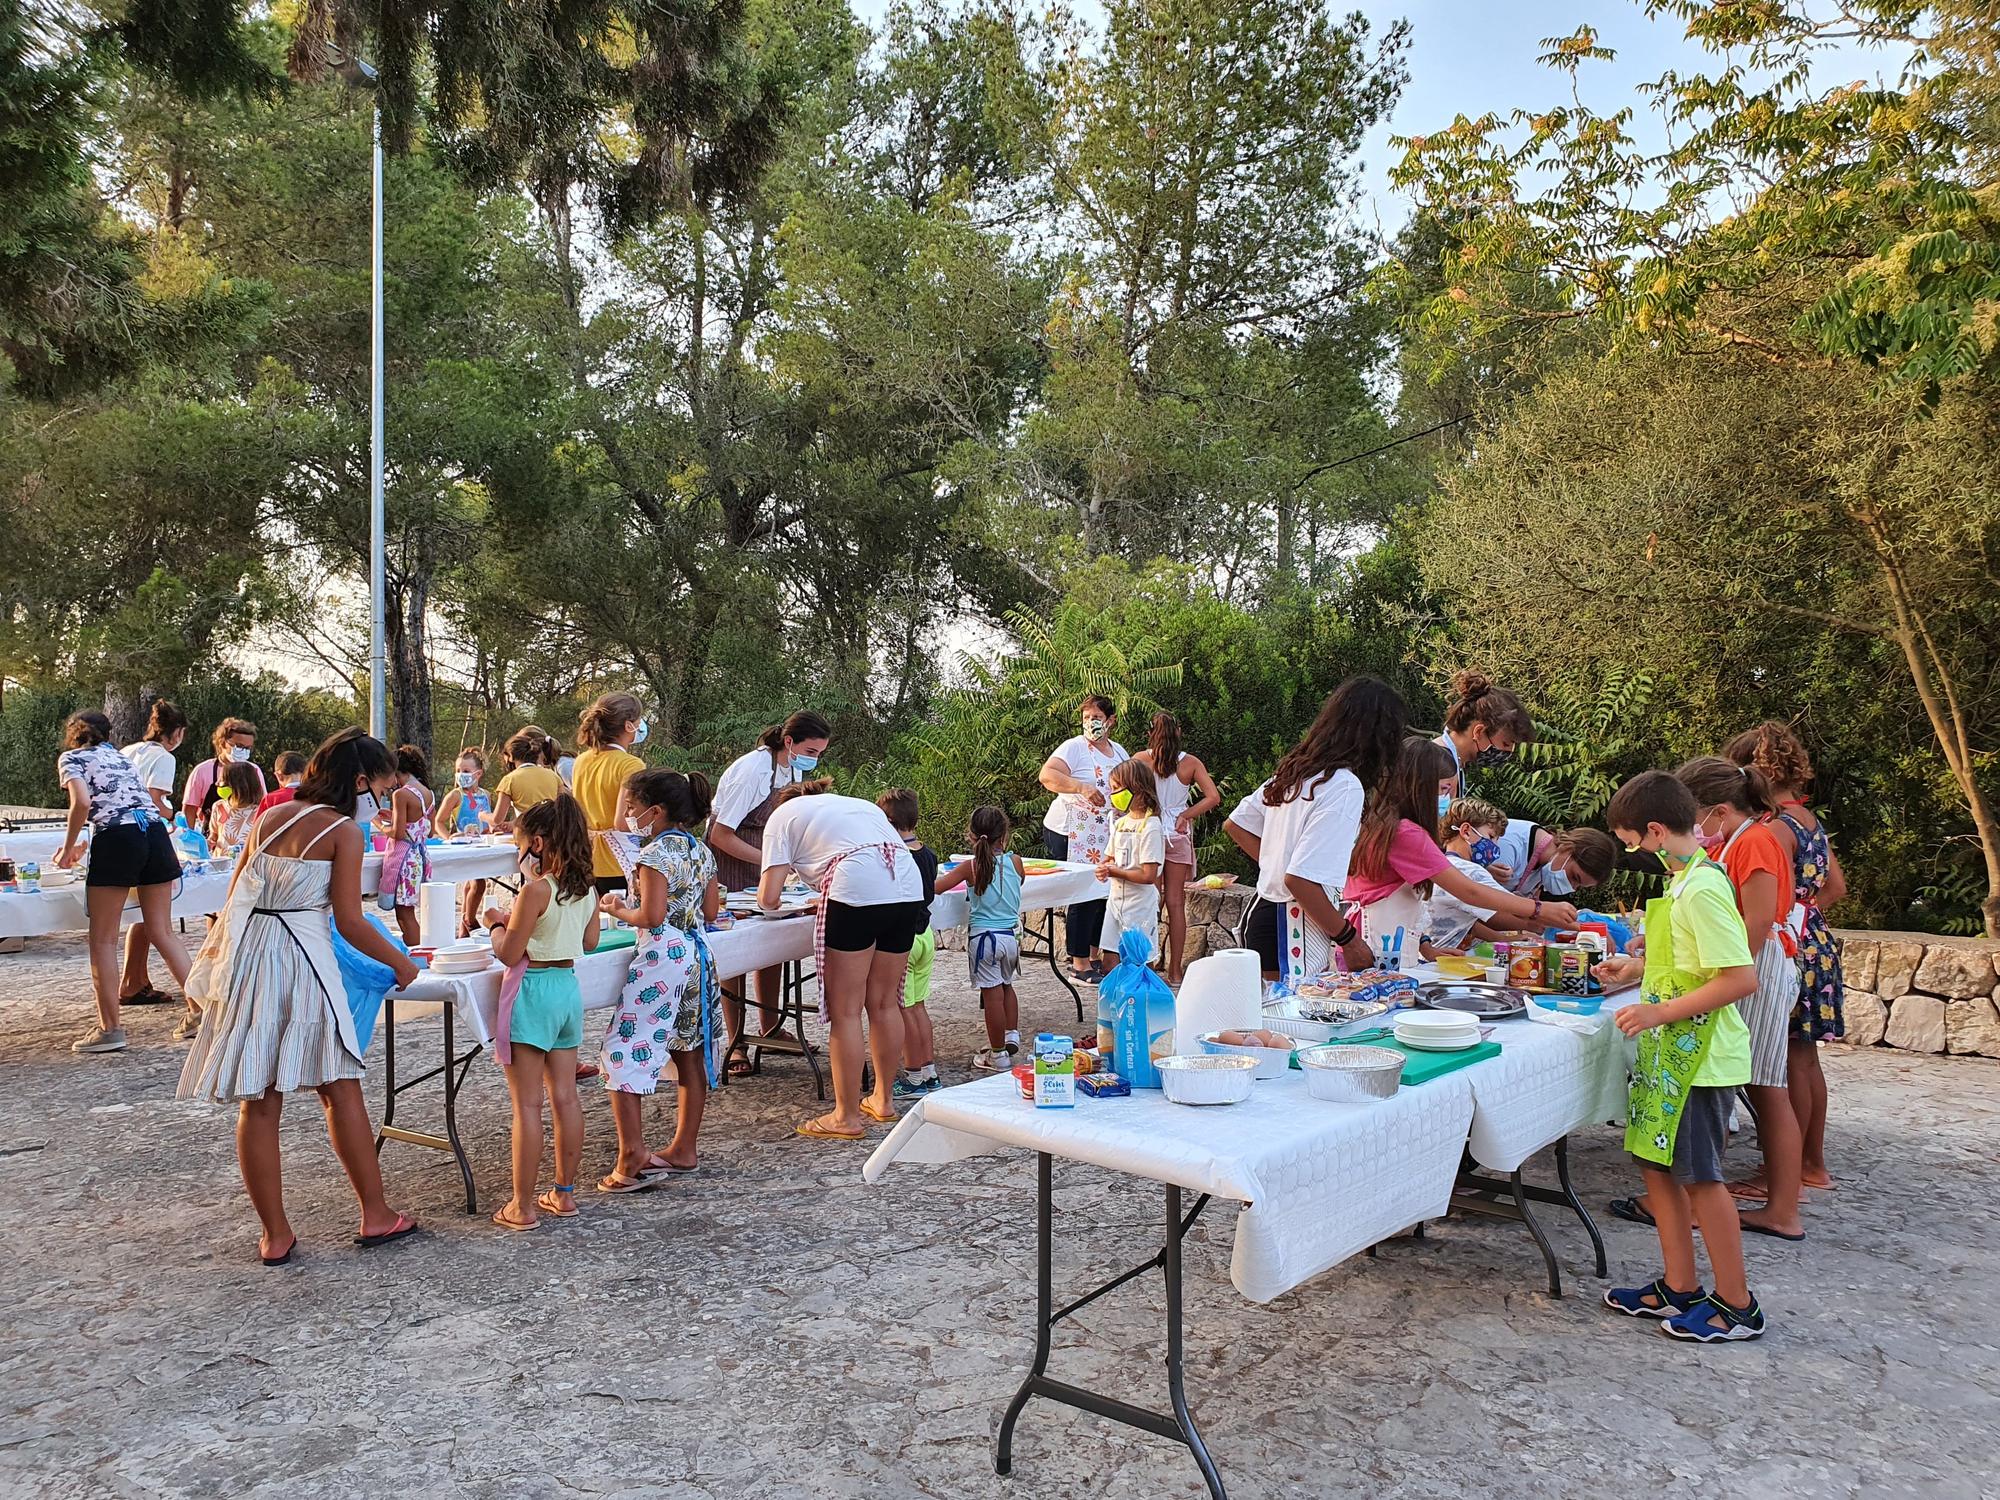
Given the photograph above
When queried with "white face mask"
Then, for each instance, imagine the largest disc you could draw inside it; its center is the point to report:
(1554, 881)
(366, 808)
(634, 824)
(239, 752)
(1094, 729)
(468, 779)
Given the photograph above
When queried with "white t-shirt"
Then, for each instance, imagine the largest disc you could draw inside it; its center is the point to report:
(1312, 836)
(155, 764)
(1085, 761)
(809, 833)
(744, 786)
(566, 768)
(1249, 814)
(1450, 918)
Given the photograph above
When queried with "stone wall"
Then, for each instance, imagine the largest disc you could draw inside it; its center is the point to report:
(1922, 992)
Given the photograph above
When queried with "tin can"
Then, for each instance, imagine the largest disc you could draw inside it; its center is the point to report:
(1503, 957)
(1524, 965)
(1568, 969)
(6, 873)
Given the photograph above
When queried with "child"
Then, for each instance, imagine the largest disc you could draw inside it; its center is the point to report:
(1398, 860)
(291, 769)
(553, 923)
(1734, 803)
(274, 1016)
(1694, 1051)
(409, 826)
(671, 1005)
(993, 878)
(899, 806)
(1474, 829)
(528, 778)
(1131, 865)
(238, 791)
(465, 809)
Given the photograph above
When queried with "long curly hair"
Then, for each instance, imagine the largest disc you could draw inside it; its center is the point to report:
(1358, 729)
(565, 834)
(1773, 749)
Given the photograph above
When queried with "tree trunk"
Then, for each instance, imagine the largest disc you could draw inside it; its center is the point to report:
(121, 707)
(409, 657)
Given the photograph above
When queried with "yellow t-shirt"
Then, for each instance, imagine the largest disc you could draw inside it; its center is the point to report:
(596, 780)
(524, 786)
(1708, 937)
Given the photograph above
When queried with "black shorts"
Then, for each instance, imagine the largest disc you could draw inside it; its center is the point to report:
(608, 885)
(126, 855)
(1260, 933)
(887, 929)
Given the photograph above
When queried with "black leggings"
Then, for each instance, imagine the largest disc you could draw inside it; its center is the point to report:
(1083, 923)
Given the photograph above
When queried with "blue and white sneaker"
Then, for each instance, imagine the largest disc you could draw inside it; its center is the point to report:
(1655, 1301)
(903, 1088)
(1713, 1321)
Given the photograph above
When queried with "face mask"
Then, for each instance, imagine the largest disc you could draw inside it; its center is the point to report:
(1555, 882)
(1485, 851)
(238, 753)
(366, 808)
(1444, 803)
(639, 733)
(1121, 799)
(291, 781)
(468, 778)
(633, 825)
(1093, 729)
(528, 864)
(1492, 756)
(804, 762)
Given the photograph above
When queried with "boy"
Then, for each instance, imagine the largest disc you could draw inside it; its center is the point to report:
(1694, 1050)
(1474, 827)
(899, 805)
(291, 769)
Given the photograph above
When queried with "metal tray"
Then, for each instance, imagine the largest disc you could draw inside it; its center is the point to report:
(1489, 1002)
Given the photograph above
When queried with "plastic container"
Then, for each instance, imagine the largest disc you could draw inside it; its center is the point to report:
(1352, 1075)
(1206, 1079)
(1571, 1005)
(1055, 1071)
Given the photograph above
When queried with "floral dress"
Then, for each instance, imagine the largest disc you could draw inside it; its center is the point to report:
(1818, 1015)
(671, 1001)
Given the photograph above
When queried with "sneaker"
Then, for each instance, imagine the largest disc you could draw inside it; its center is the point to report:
(190, 1024)
(994, 1059)
(931, 1084)
(97, 1039)
(1713, 1321)
(1665, 1302)
(905, 1088)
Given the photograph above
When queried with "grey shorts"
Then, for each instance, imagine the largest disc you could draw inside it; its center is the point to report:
(993, 958)
(1703, 1133)
(1768, 1014)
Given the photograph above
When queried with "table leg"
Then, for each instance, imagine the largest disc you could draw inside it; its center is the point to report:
(388, 1025)
(1046, 935)
(1176, 1387)
(454, 1080)
(1576, 1206)
(792, 1008)
(1535, 1229)
(1508, 1198)
(1003, 1443)
(454, 1070)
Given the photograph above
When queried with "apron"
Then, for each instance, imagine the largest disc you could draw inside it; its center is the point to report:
(1090, 824)
(1670, 1056)
(743, 875)
(1304, 952)
(888, 853)
(1378, 921)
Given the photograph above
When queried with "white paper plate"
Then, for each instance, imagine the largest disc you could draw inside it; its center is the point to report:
(1439, 1044)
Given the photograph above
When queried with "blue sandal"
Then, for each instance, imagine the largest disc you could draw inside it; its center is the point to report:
(1713, 1321)
(1666, 1302)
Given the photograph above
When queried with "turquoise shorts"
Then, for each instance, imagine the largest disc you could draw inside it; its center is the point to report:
(548, 1013)
(917, 978)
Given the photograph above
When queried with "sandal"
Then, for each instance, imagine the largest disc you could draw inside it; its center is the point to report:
(146, 996)
(405, 1225)
(551, 1202)
(659, 1166)
(500, 1217)
(1632, 1211)
(618, 1182)
(868, 1109)
(280, 1260)
(737, 1064)
(813, 1130)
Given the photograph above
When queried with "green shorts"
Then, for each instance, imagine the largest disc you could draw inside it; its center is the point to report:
(917, 978)
(548, 1013)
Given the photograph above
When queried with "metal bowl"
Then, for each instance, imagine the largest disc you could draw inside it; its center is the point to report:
(1489, 1002)
(1352, 1075)
(1213, 1078)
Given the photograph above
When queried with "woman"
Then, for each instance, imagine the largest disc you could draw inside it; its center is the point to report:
(871, 910)
(745, 798)
(1078, 823)
(1311, 813)
(129, 851)
(234, 740)
(153, 758)
(1175, 772)
(607, 731)
(1818, 883)
(1483, 727)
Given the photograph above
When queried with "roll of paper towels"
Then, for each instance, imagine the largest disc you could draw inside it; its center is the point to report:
(437, 913)
(1222, 992)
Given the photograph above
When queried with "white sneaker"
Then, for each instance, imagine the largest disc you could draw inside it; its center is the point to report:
(97, 1039)
(994, 1059)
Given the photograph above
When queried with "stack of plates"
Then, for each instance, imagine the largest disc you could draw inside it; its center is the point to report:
(467, 957)
(1437, 1030)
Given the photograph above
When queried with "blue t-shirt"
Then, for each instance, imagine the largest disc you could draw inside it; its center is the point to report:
(998, 907)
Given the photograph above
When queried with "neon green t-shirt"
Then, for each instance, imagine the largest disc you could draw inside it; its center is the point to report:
(1709, 936)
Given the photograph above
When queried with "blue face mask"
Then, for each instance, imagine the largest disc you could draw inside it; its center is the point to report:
(1444, 803)
(804, 762)
(639, 733)
(1485, 851)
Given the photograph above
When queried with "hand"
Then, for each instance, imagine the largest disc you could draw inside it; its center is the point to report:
(68, 858)
(1093, 796)
(1501, 873)
(492, 917)
(407, 973)
(1357, 953)
(1184, 823)
(1633, 1019)
(1558, 914)
(1103, 868)
(1616, 973)
(608, 904)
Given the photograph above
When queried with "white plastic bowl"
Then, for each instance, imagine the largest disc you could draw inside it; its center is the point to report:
(1272, 1062)
(1212, 1078)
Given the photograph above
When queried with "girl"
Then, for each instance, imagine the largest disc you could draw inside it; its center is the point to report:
(919, 1077)
(607, 730)
(130, 850)
(993, 877)
(529, 778)
(553, 923)
(1817, 883)
(1131, 866)
(671, 1002)
(409, 826)
(1176, 771)
(274, 1008)
(465, 809)
(235, 740)
(238, 791)
(1734, 803)
(153, 758)
(1398, 859)
(1483, 727)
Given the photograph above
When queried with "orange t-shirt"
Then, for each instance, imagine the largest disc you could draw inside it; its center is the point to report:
(1754, 850)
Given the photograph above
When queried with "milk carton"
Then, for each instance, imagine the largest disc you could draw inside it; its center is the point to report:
(1055, 1072)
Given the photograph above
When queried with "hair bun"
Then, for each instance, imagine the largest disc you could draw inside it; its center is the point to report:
(1470, 684)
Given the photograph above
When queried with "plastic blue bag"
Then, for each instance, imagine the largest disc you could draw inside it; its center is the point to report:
(367, 979)
(1140, 1010)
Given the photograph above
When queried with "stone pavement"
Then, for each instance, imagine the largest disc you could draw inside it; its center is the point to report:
(773, 1328)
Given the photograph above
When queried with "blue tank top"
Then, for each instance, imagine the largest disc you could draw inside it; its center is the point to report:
(471, 805)
(998, 907)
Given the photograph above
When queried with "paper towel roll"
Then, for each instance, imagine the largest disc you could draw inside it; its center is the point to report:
(437, 913)
(1222, 992)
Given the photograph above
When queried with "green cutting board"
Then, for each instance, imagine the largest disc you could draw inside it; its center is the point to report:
(616, 937)
(1421, 1067)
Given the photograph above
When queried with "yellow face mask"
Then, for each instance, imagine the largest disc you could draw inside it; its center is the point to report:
(1122, 799)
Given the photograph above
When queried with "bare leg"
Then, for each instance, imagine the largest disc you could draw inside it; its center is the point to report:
(885, 1024)
(568, 1114)
(136, 976)
(691, 1072)
(524, 1086)
(1778, 1133)
(468, 912)
(406, 924)
(263, 1170)
(156, 911)
(628, 1116)
(846, 981)
(770, 1001)
(106, 905)
(1672, 1218)
(992, 1007)
(1723, 1238)
(1010, 1009)
(1807, 1080)
(732, 1015)
(918, 1051)
(1173, 897)
(353, 1136)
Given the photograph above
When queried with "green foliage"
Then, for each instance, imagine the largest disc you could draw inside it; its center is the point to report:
(1586, 745)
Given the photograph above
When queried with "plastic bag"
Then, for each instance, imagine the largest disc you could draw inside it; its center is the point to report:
(367, 980)
(1140, 1009)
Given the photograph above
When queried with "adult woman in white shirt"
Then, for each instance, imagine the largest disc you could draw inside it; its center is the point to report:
(745, 797)
(871, 910)
(1077, 825)
(153, 758)
(1312, 808)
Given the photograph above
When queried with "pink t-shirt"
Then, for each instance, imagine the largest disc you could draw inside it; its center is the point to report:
(1414, 856)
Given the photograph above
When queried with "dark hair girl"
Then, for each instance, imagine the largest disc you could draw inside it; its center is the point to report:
(800, 727)
(1358, 730)
(341, 760)
(685, 796)
(565, 836)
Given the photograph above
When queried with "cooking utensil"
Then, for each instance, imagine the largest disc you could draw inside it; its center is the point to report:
(1211, 1078)
(1489, 1002)
(1352, 1075)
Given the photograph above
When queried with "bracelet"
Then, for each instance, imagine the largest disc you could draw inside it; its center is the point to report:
(1536, 914)
(1346, 935)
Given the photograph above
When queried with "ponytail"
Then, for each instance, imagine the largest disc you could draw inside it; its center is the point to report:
(602, 722)
(990, 831)
(1716, 782)
(559, 823)
(1165, 743)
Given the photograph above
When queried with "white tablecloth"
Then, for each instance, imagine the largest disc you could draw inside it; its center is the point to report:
(1320, 1181)
(1072, 884)
(63, 909)
(39, 844)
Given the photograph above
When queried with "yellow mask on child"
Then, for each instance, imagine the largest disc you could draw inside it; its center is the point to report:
(1122, 799)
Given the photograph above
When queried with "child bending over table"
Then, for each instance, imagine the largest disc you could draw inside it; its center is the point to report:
(992, 878)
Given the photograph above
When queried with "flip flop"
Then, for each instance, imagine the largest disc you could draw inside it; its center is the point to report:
(880, 1119)
(618, 1182)
(653, 1170)
(280, 1260)
(1632, 1212)
(588, 1070)
(1776, 1234)
(813, 1130)
(404, 1225)
(1749, 1192)
(552, 1207)
(500, 1218)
